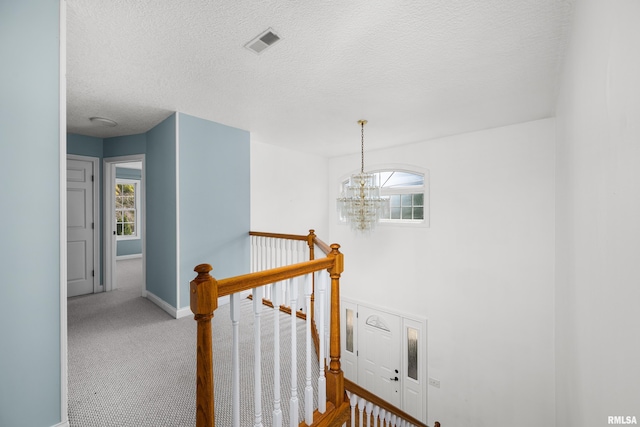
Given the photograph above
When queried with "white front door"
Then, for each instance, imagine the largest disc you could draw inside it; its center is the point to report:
(379, 354)
(80, 224)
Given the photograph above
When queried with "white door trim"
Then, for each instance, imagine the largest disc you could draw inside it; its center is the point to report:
(109, 219)
(62, 150)
(405, 320)
(97, 286)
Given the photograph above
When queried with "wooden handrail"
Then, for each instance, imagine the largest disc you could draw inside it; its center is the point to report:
(245, 282)
(278, 236)
(322, 245)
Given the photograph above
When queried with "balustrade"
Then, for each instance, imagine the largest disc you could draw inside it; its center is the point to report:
(284, 270)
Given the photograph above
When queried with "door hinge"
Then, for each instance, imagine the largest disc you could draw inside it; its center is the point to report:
(93, 273)
(92, 225)
(357, 353)
(91, 178)
(356, 314)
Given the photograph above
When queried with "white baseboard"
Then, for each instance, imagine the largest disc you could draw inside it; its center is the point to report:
(184, 312)
(62, 424)
(132, 256)
(161, 303)
(177, 314)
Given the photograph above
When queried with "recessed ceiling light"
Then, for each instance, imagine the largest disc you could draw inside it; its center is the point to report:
(103, 122)
(262, 41)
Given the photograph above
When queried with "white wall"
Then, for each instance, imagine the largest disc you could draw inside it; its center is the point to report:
(288, 191)
(483, 273)
(598, 217)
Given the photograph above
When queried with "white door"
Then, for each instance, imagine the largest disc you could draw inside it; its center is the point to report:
(379, 354)
(80, 223)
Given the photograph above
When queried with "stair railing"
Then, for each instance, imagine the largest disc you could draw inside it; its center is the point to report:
(205, 291)
(369, 410)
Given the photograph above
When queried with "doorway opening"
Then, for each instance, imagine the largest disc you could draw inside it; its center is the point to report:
(124, 222)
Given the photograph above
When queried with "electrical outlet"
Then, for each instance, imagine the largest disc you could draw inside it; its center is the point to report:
(434, 382)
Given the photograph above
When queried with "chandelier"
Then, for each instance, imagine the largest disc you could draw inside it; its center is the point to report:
(360, 203)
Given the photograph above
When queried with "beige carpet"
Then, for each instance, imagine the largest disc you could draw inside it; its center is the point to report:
(131, 364)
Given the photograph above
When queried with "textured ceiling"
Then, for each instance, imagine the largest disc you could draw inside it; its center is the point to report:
(415, 69)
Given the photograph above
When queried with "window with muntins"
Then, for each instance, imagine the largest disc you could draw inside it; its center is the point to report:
(126, 202)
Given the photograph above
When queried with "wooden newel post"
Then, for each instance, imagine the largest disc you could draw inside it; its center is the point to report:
(310, 242)
(204, 301)
(334, 374)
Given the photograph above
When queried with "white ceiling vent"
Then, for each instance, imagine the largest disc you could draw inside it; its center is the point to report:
(263, 41)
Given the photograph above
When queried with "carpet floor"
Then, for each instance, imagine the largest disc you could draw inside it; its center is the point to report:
(131, 364)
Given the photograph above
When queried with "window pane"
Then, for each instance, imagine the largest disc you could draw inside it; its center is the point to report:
(406, 200)
(119, 230)
(401, 179)
(406, 213)
(395, 200)
(118, 201)
(395, 213)
(418, 199)
(418, 213)
(119, 216)
(349, 330)
(127, 189)
(412, 353)
(128, 201)
(118, 189)
(385, 211)
(129, 216)
(128, 229)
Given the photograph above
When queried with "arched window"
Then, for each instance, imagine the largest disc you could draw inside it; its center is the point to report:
(408, 196)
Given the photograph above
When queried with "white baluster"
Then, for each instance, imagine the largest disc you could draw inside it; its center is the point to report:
(234, 308)
(393, 420)
(369, 409)
(293, 403)
(263, 254)
(322, 383)
(308, 390)
(353, 401)
(279, 253)
(361, 405)
(327, 323)
(257, 369)
(376, 412)
(277, 411)
(383, 418)
(253, 257)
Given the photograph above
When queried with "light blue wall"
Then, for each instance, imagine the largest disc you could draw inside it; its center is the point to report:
(30, 249)
(125, 145)
(160, 176)
(129, 246)
(83, 145)
(214, 199)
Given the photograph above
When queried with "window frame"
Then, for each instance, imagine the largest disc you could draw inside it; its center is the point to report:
(137, 222)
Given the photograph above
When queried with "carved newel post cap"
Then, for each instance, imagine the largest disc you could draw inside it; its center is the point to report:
(204, 291)
(203, 268)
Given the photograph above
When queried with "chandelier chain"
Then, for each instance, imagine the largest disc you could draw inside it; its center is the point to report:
(362, 145)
